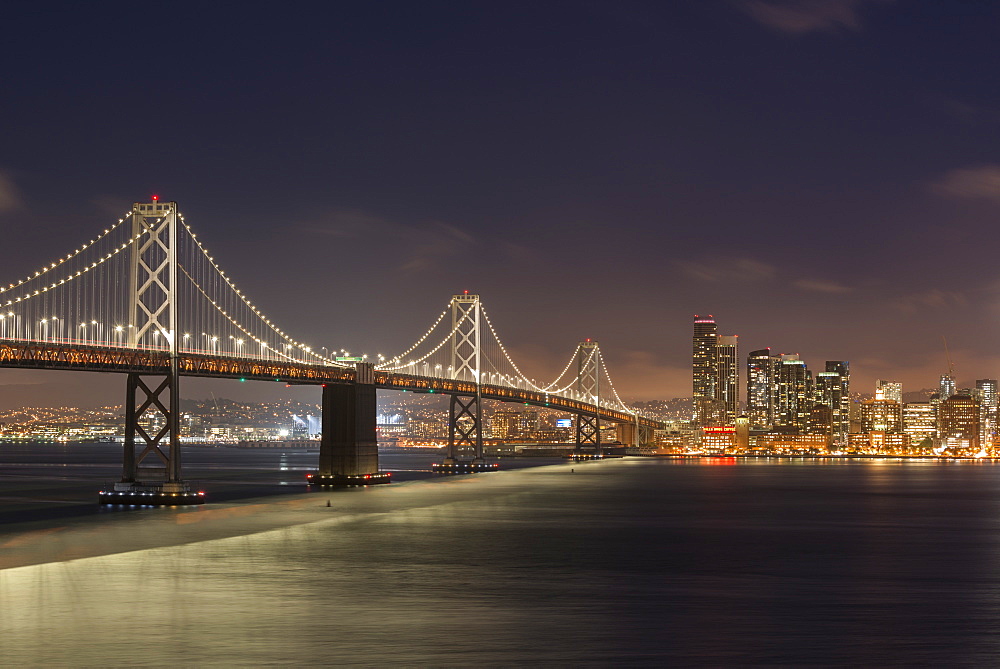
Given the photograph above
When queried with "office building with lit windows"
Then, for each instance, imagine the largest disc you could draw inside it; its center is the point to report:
(881, 416)
(761, 366)
(794, 390)
(986, 393)
(920, 422)
(728, 376)
(705, 365)
(889, 390)
(958, 422)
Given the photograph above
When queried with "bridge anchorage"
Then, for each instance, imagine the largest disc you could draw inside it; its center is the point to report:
(145, 298)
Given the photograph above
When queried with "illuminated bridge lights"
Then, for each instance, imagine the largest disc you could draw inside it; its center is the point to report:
(348, 480)
(148, 498)
(464, 467)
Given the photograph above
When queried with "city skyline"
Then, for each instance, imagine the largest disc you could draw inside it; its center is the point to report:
(774, 162)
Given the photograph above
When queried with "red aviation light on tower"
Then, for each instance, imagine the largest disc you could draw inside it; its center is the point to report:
(155, 198)
(465, 292)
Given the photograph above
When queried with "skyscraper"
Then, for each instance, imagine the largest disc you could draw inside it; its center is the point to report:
(958, 421)
(728, 376)
(889, 390)
(761, 388)
(986, 393)
(793, 393)
(705, 366)
(841, 413)
(947, 386)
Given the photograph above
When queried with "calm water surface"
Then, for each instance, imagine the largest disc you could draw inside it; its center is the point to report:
(635, 562)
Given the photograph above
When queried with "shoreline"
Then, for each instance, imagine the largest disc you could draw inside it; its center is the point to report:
(137, 529)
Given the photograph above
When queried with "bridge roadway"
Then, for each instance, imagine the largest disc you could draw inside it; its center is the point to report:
(78, 357)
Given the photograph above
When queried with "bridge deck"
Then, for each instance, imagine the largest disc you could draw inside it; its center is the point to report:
(44, 355)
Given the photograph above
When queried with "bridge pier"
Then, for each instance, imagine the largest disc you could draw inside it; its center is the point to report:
(348, 451)
(588, 437)
(159, 486)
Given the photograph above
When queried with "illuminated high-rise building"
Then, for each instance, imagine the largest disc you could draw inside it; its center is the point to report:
(881, 416)
(705, 366)
(793, 395)
(728, 376)
(505, 424)
(986, 393)
(841, 409)
(920, 422)
(946, 386)
(958, 421)
(889, 390)
(761, 386)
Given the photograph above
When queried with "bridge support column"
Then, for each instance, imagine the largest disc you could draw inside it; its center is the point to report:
(627, 434)
(348, 451)
(588, 437)
(152, 403)
(465, 438)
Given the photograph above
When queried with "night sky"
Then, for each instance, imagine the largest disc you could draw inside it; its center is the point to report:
(822, 176)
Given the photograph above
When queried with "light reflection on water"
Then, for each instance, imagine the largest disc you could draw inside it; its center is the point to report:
(635, 562)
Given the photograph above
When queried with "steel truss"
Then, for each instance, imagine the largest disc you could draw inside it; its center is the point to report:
(143, 404)
(588, 432)
(465, 427)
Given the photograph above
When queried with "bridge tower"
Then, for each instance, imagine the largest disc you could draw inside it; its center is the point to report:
(588, 386)
(153, 399)
(465, 422)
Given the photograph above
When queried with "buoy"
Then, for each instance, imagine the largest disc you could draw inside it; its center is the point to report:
(328, 503)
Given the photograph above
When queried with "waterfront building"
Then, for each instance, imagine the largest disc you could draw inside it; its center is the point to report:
(879, 415)
(986, 393)
(920, 422)
(793, 393)
(832, 388)
(820, 420)
(958, 421)
(717, 440)
(704, 366)
(761, 385)
(728, 376)
(783, 443)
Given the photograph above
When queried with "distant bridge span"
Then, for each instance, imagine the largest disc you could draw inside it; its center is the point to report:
(146, 299)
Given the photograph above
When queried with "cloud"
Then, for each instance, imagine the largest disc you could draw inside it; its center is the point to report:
(798, 17)
(422, 246)
(971, 114)
(817, 286)
(10, 196)
(981, 182)
(726, 270)
(931, 299)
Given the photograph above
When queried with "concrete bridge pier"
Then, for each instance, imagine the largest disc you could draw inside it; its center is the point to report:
(348, 451)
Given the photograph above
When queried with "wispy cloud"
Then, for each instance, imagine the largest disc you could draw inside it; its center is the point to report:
(805, 16)
(931, 299)
(10, 196)
(819, 286)
(422, 246)
(725, 270)
(971, 114)
(981, 182)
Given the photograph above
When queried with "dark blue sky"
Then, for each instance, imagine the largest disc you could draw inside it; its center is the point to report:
(822, 176)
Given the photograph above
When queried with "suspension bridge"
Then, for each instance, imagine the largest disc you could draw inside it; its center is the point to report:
(145, 298)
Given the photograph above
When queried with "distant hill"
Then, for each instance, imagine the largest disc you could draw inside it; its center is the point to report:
(919, 395)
